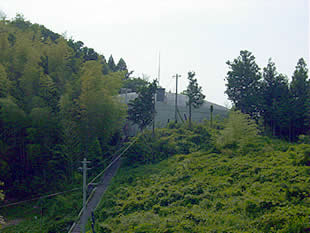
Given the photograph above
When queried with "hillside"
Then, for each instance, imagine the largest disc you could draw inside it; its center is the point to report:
(261, 185)
(57, 106)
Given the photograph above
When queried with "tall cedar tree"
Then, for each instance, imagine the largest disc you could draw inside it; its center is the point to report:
(194, 93)
(275, 95)
(243, 85)
(300, 100)
(121, 65)
(141, 109)
(111, 64)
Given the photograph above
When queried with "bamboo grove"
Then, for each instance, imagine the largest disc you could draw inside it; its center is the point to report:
(57, 105)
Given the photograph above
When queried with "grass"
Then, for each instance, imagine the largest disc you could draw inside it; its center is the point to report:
(263, 188)
(185, 181)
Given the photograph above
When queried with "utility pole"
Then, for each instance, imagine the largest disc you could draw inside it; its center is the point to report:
(211, 115)
(84, 162)
(154, 98)
(153, 124)
(176, 97)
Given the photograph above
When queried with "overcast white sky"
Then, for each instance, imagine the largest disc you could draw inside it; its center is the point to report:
(198, 35)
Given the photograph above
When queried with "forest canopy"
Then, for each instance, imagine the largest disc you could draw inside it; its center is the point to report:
(283, 106)
(57, 106)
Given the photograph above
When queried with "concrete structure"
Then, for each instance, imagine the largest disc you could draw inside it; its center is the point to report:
(165, 109)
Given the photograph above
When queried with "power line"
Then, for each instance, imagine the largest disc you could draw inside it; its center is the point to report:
(86, 202)
(55, 194)
(37, 198)
(58, 193)
(75, 189)
(113, 161)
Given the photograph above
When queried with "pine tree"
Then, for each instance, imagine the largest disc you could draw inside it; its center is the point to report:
(194, 93)
(121, 65)
(299, 89)
(274, 99)
(111, 64)
(243, 85)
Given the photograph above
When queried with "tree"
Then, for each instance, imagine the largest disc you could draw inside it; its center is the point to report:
(194, 93)
(53, 95)
(5, 83)
(299, 89)
(134, 84)
(2, 15)
(243, 85)
(1, 198)
(12, 127)
(101, 113)
(111, 64)
(89, 54)
(48, 92)
(141, 109)
(211, 115)
(239, 130)
(275, 95)
(121, 65)
(1, 192)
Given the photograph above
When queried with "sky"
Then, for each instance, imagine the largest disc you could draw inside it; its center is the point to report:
(196, 35)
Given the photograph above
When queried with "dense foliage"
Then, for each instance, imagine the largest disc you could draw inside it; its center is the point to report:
(239, 130)
(54, 214)
(283, 107)
(259, 185)
(243, 83)
(57, 105)
(135, 84)
(141, 110)
(176, 139)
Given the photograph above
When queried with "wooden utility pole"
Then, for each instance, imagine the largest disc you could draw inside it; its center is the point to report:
(176, 97)
(84, 162)
(211, 115)
(154, 98)
(153, 125)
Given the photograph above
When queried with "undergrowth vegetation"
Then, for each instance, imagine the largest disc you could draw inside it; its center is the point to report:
(175, 139)
(55, 214)
(208, 184)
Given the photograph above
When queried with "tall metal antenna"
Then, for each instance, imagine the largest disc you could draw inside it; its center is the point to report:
(309, 37)
(158, 75)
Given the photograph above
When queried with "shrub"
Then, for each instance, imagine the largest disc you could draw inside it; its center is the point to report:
(101, 227)
(176, 139)
(304, 139)
(240, 130)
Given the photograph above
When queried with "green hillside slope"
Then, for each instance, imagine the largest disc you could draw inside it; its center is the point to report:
(262, 187)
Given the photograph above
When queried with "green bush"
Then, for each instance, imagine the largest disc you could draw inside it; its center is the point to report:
(176, 139)
(103, 228)
(239, 131)
(304, 139)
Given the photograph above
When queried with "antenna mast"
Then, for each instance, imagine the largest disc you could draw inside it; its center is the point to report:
(158, 75)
